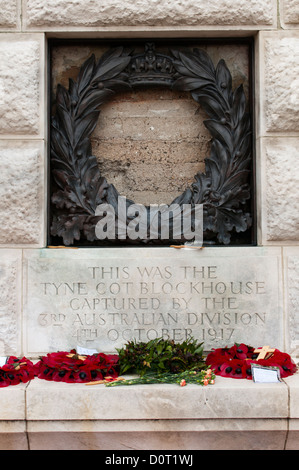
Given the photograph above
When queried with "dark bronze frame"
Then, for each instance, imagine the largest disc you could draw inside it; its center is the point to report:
(224, 189)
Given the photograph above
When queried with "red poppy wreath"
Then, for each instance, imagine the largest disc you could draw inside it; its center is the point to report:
(71, 367)
(15, 371)
(236, 361)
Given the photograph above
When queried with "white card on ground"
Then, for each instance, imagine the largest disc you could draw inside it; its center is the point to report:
(3, 360)
(265, 374)
(86, 351)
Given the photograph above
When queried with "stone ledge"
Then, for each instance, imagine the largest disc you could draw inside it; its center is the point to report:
(62, 401)
(232, 414)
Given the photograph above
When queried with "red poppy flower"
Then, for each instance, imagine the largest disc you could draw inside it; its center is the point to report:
(231, 368)
(217, 356)
(239, 351)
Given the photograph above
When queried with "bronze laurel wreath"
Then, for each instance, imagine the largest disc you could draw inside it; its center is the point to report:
(78, 187)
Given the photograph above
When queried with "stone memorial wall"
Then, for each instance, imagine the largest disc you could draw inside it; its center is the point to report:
(101, 297)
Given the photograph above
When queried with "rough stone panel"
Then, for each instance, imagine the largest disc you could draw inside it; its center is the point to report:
(292, 295)
(21, 193)
(289, 13)
(10, 302)
(9, 14)
(132, 138)
(280, 89)
(91, 13)
(282, 189)
(132, 167)
(162, 125)
(20, 85)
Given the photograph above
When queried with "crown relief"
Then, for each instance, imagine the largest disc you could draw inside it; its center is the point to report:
(151, 66)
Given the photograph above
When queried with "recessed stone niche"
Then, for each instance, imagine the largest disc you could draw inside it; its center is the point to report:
(150, 142)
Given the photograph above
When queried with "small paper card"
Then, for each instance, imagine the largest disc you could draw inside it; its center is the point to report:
(85, 351)
(3, 360)
(262, 374)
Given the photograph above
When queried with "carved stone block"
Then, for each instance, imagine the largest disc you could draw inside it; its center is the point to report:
(102, 298)
(10, 15)
(289, 13)
(22, 198)
(279, 83)
(279, 203)
(40, 15)
(21, 85)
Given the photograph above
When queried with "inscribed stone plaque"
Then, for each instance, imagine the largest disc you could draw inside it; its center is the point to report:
(102, 298)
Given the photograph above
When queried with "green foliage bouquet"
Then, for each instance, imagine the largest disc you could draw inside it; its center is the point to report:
(160, 355)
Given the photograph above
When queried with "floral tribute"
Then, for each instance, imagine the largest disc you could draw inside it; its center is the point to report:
(161, 356)
(199, 377)
(236, 361)
(16, 371)
(70, 367)
(164, 361)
